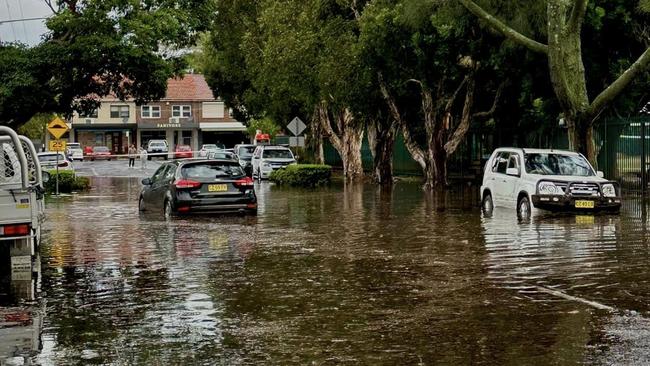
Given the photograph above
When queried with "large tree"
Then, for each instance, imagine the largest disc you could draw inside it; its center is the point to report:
(563, 49)
(97, 47)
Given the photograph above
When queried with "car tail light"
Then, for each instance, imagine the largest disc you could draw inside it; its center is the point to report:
(187, 183)
(252, 205)
(244, 182)
(14, 230)
(184, 209)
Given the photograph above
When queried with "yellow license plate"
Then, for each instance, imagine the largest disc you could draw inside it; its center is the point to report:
(217, 188)
(584, 204)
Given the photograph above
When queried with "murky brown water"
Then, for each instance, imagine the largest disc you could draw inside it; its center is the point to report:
(340, 276)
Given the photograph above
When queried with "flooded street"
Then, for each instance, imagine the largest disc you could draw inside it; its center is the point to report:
(338, 276)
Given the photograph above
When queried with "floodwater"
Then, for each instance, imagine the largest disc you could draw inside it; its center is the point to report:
(341, 275)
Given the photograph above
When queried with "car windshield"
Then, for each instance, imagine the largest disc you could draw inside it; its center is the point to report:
(183, 148)
(212, 170)
(101, 149)
(156, 144)
(221, 155)
(50, 158)
(246, 152)
(277, 154)
(74, 146)
(209, 147)
(557, 164)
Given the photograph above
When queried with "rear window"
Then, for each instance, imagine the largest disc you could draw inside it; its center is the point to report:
(277, 154)
(49, 158)
(157, 144)
(246, 151)
(212, 170)
(74, 146)
(100, 149)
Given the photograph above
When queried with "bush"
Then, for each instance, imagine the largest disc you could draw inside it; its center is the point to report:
(302, 175)
(68, 182)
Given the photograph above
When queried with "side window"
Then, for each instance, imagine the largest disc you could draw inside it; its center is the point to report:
(159, 173)
(169, 173)
(513, 161)
(501, 163)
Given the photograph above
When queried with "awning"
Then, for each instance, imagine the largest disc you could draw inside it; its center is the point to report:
(222, 126)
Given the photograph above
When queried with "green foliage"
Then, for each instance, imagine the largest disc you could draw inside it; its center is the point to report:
(68, 182)
(303, 175)
(98, 47)
(35, 127)
(266, 125)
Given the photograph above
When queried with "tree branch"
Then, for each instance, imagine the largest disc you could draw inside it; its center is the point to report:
(327, 127)
(491, 111)
(615, 88)
(577, 15)
(466, 118)
(450, 102)
(51, 6)
(503, 28)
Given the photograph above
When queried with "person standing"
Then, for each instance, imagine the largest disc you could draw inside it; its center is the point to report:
(143, 158)
(132, 153)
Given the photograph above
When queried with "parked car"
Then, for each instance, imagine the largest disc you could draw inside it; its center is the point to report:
(157, 148)
(101, 153)
(267, 158)
(48, 161)
(198, 186)
(531, 180)
(183, 152)
(206, 149)
(74, 151)
(88, 152)
(245, 154)
(223, 154)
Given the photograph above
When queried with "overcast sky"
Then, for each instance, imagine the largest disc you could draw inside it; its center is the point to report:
(28, 32)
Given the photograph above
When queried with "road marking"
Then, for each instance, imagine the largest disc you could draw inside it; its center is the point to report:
(560, 294)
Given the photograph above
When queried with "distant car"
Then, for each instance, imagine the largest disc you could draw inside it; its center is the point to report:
(48, 161)
(74, 151)
(531, 180)
(88, 152)
(183, 152)
(101, 153)
(198, 186)
(268, 158)
(208, 148)
(157, 148)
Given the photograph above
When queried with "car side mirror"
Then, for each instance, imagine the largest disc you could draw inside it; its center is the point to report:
(46, 177)
(512, 171)
(146, 181)
(600, 174)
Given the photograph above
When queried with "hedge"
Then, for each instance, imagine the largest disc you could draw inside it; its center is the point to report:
(302, 175)
(68, 182)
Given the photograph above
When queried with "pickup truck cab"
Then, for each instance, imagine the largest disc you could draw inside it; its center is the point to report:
(532, 180)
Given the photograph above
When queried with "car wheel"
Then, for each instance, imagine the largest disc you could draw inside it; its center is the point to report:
(487, 205)
(523, 208)
(92, 159)
(168, 211)
(141, 205)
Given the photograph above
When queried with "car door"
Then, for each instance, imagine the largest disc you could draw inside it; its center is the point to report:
(150, 193)
(511, 182)
(497, 179)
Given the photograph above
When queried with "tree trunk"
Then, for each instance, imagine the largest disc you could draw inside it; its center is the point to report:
(346, 140)
(581, 138)
(381, 138)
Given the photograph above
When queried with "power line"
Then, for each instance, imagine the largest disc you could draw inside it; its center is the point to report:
(21, 20)
(22, 16)
(13, 29)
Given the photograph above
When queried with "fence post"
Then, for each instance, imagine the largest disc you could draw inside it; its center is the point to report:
(643, 164)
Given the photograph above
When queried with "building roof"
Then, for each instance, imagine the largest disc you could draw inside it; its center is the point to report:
(191, 87)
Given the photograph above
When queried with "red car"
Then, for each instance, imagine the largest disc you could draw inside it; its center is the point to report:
(183, 152)
(101, 153)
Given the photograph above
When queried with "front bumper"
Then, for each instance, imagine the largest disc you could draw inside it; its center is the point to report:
(568, 203)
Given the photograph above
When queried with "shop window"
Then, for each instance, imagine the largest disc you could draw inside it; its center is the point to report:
(150, 111)
(181, 111)
(119, 111)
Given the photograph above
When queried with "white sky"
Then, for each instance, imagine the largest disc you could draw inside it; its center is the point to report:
(28, 32)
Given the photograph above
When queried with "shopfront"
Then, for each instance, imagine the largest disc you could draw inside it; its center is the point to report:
(227, 133)
(176, 133)
(117, 139)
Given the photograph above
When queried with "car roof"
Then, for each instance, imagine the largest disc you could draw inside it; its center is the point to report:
(49, 153)
(537, 151)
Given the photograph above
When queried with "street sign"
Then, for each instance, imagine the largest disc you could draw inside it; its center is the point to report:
(57, 128)
(57, 145)
(298, 141)
(296, 126)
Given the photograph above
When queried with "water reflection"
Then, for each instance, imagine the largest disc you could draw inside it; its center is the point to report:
(343, 274)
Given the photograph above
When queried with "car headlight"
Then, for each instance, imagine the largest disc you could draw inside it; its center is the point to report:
(609, 190)
(549, 188)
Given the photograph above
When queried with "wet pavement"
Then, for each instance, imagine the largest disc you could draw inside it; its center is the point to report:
(340, 275)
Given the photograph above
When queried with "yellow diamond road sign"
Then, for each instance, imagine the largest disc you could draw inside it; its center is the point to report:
(57, 128)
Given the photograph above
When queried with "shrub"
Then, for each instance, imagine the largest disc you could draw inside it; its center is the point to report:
(303, 175)
(68, 182)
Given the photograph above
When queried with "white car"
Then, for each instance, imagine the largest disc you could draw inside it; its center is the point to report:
(74, 152)
(550, 180)
(206, 149)
(49, 160)
(267, 158)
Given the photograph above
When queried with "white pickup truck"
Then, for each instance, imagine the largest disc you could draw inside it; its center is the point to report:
(21, 203)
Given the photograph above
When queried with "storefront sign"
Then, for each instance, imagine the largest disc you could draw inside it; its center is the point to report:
(148, 125)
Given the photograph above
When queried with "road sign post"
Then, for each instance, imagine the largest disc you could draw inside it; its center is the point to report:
(57, 128)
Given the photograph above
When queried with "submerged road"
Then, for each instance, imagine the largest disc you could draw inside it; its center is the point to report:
(339, 275)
